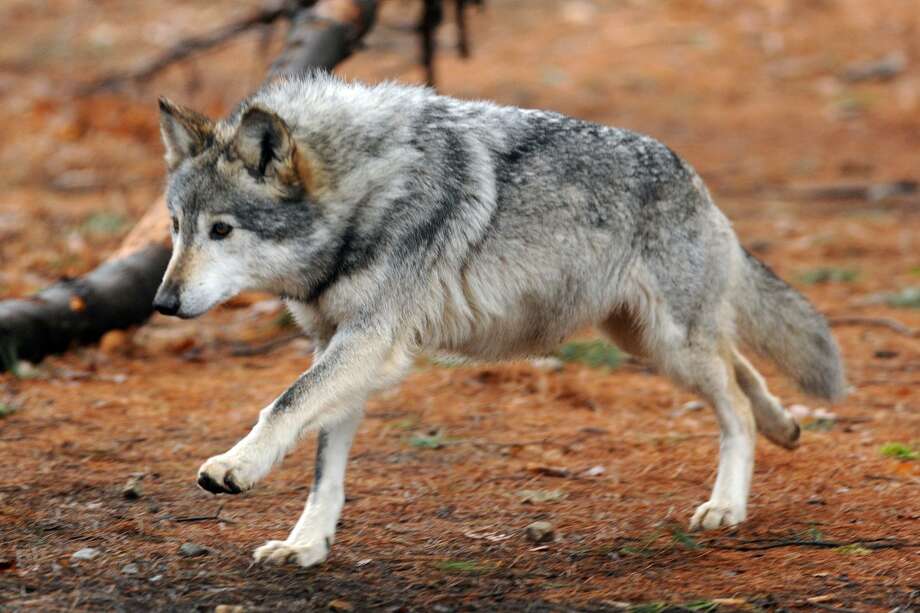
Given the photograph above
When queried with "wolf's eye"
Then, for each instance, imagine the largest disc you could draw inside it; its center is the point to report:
(221, 230)
(175, 224)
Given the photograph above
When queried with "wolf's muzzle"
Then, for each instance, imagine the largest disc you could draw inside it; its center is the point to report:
(167, 300)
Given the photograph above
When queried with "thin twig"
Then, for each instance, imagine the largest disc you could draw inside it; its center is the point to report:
(187, 47)
(879, 322)
(827, 607)
(762, 544)
(266, 347)
(432, 14)
(463, 42)
(872, 192)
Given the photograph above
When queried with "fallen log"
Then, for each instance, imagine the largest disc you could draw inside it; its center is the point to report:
(119, 293)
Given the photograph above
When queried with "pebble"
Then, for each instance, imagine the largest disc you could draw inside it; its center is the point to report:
(548, 363)
(693, 405)
(190, 550)
(87, 553)
(539, 532)
(132, 489)
(229, 608)
(130, 569)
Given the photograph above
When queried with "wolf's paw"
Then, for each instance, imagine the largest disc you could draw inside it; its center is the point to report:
(302, 554)
(785, 432)
(224, 474)
(716, 514)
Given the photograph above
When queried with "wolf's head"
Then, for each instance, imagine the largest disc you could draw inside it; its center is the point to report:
(242, 199)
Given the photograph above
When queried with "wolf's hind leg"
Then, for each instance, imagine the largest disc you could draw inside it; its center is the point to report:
(773, 421)
(310, 540)
(702, 367)
(727, 506)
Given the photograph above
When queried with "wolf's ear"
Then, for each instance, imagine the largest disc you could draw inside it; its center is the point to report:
(265, 145)
(186, 133)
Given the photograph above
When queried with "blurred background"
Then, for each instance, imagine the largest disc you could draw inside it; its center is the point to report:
(803, 116)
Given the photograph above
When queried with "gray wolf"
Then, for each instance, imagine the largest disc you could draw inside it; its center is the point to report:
(396, 222)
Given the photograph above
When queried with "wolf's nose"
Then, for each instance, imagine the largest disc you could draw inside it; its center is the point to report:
(167, 304)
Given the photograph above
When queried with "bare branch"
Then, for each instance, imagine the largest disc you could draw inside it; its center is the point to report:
(120, 292)
(879, 322)
(187, 47)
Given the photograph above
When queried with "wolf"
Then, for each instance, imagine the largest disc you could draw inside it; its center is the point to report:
(395, 222)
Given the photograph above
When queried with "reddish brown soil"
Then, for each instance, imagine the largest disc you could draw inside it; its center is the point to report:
(750, 94)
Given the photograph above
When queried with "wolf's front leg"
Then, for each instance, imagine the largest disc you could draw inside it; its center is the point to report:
(328, 397)
(310, 540)
(247, 462)
(355, 364)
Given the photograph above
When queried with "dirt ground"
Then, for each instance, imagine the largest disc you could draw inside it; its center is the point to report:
(763, 97)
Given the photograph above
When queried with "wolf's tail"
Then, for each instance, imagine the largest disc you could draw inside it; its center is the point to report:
(780, 323)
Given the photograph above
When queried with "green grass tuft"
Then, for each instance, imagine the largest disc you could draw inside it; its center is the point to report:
(428, 441)
(853, 549)
(9, 358)
(900, 451)
(828, 274)
(682, 538)
(907, 298)
(595, 354)
(104, 223)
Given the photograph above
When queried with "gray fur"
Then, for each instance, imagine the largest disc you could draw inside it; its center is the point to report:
(780, 323)
(398, 222)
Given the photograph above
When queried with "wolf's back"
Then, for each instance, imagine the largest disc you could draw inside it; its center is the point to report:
(777, 321)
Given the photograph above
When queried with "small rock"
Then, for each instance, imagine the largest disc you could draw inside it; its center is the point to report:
(132, 489)
(539, 532)
(341, 605)
(595, 471)
(548, 363)
(693, 405)
(229, 608)
(87, 553)
(191, 550)
(687, 407)
(130, 569)
(155, 578)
